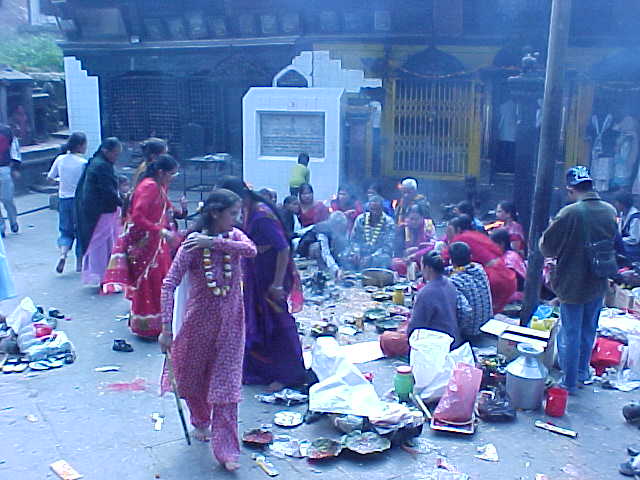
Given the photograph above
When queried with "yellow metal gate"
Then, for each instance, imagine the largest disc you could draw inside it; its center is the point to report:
(435, 127)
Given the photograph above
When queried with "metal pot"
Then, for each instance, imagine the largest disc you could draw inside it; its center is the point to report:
(526, 376)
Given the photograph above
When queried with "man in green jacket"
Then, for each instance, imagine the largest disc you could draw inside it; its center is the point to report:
(580, 292)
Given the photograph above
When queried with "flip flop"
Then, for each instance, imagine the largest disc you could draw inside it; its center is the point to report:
(37, 366)
(54, 363)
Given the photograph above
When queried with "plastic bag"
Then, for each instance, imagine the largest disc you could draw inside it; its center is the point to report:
(459, 399)
(55, 345)
(496, 406)
(22, 315)
(342, 388)
(432, 362)
(633, 356)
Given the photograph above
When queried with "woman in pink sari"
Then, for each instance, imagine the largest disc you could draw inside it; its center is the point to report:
(512, 260)
(142, 255)
(207, 348)
(413, 238)
(506, 213)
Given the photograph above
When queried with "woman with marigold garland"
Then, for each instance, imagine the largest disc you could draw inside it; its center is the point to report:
(208, 348)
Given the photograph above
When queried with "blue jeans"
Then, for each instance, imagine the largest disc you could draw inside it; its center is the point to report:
(576, 337)
(67, 223)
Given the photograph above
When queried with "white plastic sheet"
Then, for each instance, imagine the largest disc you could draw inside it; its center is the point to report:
(342, 388)
(22, 315)
(432, 362)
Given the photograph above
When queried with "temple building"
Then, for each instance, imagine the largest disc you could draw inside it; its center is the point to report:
(442, 109)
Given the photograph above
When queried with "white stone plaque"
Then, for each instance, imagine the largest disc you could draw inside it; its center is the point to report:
(286, 134)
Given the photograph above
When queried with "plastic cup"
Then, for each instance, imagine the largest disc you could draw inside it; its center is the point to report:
(556, 402)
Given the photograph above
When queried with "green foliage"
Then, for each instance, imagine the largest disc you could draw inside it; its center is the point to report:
(31, 53)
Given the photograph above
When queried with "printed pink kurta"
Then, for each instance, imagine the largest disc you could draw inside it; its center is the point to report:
(208, 349)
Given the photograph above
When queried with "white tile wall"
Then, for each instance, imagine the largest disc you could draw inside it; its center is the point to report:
(83, 103)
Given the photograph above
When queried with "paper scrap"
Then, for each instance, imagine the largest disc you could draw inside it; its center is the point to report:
(488, 453)
(362, 352)
(107, 368)
(32, 418)
(64, 470)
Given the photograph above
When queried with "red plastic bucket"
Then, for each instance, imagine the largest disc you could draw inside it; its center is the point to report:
(556, 402)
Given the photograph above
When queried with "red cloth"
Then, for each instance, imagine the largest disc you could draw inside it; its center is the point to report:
(141, 257)
(317, 213)
(502, 280)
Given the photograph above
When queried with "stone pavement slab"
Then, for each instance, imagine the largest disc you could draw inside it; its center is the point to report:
(109, 435)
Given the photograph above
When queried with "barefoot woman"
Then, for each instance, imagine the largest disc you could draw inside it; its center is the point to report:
(207, 349)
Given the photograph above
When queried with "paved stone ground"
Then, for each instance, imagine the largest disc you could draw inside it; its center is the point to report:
(108, 435)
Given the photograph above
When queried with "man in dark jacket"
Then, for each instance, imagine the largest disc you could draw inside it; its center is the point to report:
(580, 291)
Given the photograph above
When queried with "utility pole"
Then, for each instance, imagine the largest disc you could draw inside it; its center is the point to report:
(549, 149)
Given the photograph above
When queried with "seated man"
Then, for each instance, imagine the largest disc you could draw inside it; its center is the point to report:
(327, 242)
(372, 238)
(472, 282)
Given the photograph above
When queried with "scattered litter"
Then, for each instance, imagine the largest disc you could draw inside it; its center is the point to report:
(64, 470)
(32, 418)
(285, 446)
(5, 408)
(488, 453)
(286, 396)
(365, 443)
(257, 436)
(107, 368)
(555, 429)
(288, 419)
(541, 476)
(120, 318)
(441, 474)
(324, 448)
(347, 330)
(158, 420)
(423, 446)
(266, 466)
(348, 423)
(136, 385)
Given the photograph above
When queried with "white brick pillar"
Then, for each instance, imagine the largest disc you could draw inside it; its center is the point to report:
(83, 103)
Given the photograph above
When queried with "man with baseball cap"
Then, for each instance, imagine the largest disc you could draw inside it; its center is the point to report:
(578, 237)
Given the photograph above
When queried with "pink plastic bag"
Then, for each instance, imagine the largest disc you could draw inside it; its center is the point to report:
(459, 399)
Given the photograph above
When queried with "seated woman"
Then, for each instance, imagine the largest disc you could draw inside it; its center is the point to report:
(347, 203)
(483, 251)
(311, 212)
(466, 208)
(414, 238)
(289, 212)
(437, 307)
(372, 238)
(508, 220)
(512, 260)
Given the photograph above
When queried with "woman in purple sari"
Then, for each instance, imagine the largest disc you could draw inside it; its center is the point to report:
(273, 354)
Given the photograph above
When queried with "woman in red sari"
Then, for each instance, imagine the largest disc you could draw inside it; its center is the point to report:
(142, 255)
(311, 212)
(484, 251)
(508, 220)
(346, 202)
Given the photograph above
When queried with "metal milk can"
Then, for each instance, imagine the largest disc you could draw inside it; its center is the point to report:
(525, 378)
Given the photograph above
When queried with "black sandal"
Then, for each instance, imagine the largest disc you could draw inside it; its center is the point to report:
(120, 345)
